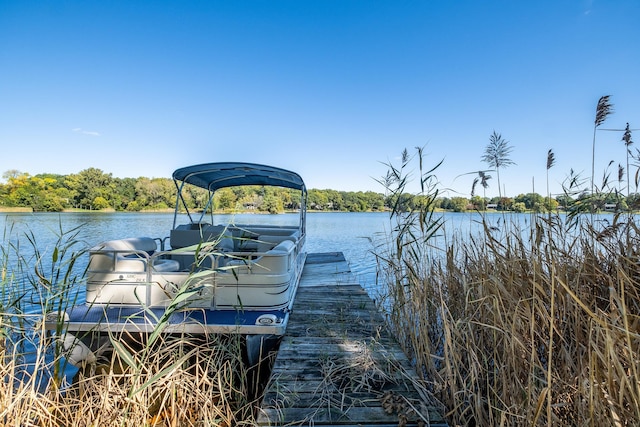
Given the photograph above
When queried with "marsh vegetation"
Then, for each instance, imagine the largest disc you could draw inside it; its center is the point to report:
(513, 325)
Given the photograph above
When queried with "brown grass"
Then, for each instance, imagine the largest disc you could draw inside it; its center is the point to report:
(154, 380)
(524, 327)
(182, 382)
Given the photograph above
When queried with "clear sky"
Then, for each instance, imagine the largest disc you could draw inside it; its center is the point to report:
(332, 89)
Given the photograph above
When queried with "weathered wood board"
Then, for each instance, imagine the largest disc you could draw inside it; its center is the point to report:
(337, 365)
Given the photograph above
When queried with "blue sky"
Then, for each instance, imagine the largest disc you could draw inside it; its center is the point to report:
(332, 89)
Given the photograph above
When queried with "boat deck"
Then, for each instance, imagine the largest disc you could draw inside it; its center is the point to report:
(337, 364)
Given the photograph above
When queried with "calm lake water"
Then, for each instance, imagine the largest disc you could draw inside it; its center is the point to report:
(326, 232)
(350, 233)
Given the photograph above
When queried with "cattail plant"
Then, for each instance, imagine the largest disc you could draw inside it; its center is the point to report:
(551, 160)
(621, 173)
(626, 138)
(603, 109)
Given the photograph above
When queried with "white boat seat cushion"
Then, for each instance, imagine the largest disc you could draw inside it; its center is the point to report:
(269, 241)
(284, 246)
(145, 244)
(130, 255)
(277, 263)
(165, 265)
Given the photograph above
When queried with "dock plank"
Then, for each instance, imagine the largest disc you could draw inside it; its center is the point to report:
(337, 364)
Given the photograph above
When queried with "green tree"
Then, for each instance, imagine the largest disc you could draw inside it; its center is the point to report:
(479, 203)
(353, 202)
(11, 173)
(286, 198)
(133, 206)
(272, 204)
(459, 204)
(100, 203)
(94, 189)
(551, 204)
(195, 198)
(633, 201)
(375, 201)
(334, 200)
(565, 200)
(402, 202)
(225, 199)
(505, 203)
(531, 201)
(89, 184)
(317, 199)
(155, 193)
(519, 207)
(54, 197)
(124, 194)
(445, 203)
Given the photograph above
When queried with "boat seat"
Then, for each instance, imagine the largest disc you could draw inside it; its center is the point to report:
(266, 242)
(284, 246)
(225, 244)
(181, 237)
(130, 255)
(128, 246)
(273, 261)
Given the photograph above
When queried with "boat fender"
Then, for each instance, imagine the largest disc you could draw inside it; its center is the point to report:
(267, 319)
(76, 352)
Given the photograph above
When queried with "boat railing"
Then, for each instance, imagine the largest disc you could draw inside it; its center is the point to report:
(131, 272)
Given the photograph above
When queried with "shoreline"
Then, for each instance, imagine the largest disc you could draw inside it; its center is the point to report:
(171, 211)
(15, 210)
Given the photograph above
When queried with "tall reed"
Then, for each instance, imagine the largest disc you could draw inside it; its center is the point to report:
(521, 325)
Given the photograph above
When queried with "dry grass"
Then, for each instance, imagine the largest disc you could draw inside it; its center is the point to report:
(161, 380)
(181, 382)
(523, 327)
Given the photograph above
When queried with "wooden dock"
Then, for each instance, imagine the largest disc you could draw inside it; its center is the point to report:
(337, 364)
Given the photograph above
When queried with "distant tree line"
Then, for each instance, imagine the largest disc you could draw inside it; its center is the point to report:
(93, 189)
(534, 202)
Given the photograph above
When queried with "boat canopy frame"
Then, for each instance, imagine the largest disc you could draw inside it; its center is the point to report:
(218, 175)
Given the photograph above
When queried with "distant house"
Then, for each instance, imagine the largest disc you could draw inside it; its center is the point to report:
(610, 207)
(492, 206)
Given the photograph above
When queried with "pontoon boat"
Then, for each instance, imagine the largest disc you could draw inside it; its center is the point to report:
(204, 278)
